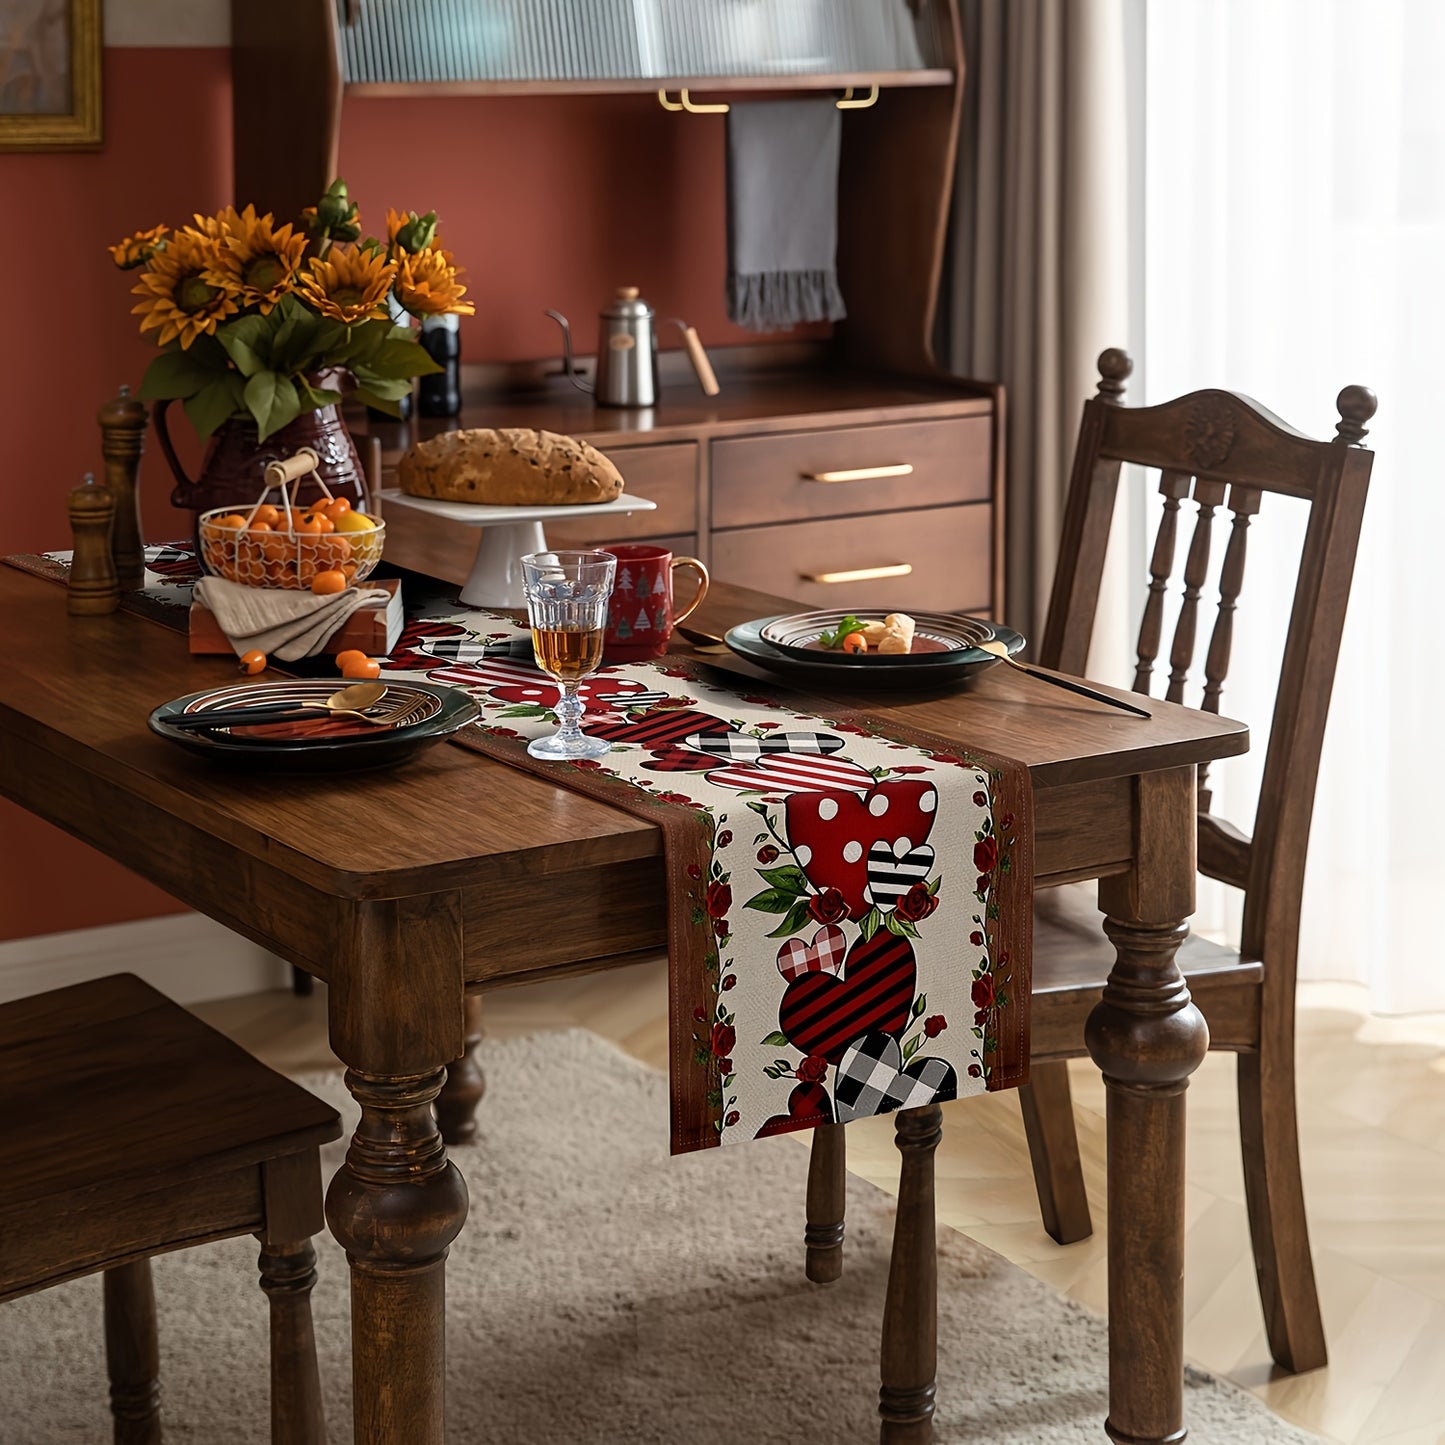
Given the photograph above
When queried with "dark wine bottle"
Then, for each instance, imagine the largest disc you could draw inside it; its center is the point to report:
(440, 394)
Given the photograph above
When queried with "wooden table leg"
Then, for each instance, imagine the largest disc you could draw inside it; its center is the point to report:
(910, 1316)
(397, 1203)
(1147, 1037)
(827, 1204)
(466, 1083)
(132, 1353)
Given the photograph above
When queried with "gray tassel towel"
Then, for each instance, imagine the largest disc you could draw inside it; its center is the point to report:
(783, 213)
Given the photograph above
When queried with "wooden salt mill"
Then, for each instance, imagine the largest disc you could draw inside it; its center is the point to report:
(93, 589)
(122, 436)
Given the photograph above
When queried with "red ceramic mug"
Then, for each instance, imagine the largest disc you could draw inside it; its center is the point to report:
(640, 612)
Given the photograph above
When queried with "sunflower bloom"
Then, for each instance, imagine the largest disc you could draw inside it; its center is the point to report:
(257, 261)
(351, 284)
(426, 284)
(179, 295)
(136, 250)
(226, 222)
(408, 231)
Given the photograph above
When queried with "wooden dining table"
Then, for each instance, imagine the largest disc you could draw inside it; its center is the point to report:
(413, 890)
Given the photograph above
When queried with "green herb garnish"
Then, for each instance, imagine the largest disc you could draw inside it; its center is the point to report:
(846, 628)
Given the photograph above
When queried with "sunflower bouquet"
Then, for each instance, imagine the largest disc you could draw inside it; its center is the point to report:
(265, 321)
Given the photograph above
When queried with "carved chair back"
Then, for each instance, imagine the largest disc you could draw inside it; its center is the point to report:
(1217, 449)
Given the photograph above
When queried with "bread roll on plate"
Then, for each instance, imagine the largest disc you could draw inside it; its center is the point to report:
(898, 629)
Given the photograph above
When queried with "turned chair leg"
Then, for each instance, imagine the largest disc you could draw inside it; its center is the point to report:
(132, 1354)
(910, 1317)
(1269, 1138)
(1048, 1110)
(462, 1093)
(827, 1203)
(288, 1271)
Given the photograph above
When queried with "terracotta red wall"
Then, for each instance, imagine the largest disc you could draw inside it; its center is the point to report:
(547, 202)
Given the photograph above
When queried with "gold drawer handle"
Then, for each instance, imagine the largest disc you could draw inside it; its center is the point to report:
(860, 574)
(862, 474)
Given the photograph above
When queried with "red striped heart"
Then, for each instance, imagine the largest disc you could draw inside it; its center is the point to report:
(794, 773)
(823, 1014)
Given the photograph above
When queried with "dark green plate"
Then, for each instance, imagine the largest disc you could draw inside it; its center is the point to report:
(945, 669)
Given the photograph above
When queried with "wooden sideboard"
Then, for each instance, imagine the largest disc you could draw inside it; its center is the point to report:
(736, 479)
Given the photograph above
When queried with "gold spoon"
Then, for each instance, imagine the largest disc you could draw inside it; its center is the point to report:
(348, 702)
(997, 649)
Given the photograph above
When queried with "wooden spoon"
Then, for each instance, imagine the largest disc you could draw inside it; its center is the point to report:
(997, 649)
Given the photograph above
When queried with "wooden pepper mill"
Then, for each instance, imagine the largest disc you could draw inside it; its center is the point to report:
(122, 436)
(93, 588)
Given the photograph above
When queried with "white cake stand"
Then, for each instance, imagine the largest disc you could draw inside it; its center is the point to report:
(508, 535)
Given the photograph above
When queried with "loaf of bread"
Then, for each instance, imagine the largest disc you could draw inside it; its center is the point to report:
(509, 467)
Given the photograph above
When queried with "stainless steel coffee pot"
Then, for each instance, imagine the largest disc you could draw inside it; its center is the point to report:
(626, 352)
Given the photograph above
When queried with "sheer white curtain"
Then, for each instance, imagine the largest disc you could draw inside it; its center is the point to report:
(1294, 202)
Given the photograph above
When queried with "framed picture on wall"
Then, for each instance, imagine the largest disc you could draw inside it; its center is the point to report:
(49, 75)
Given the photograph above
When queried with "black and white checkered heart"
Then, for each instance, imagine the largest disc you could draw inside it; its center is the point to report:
(741, 749)
(893, 868)
(870, 1079)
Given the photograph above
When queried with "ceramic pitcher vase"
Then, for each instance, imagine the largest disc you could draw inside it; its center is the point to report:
(232, 474)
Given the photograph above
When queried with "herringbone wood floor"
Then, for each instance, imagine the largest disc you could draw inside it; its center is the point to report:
(1372, 1118)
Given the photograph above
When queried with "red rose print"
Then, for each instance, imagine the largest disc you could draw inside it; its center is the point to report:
(980, 1018)
(983, 883)
(945, 758)
(829, 906)
(669, 702)
(985, 854)
(980, 800)
(699, 1013)
(916, 904)
(910, 768)
(732, 1118)
(935, 1025)
(675, 798)
(813, 1069)
(588, 763)
(974, 1072)
(730, 981)
(976, 938)
(767, 854)
(724, 838)
(724, 1040)
(1008, 820)
(756, 700)
(719, 899)
(983, 991)
(763, 725)
(693, 871)
(725, 1066)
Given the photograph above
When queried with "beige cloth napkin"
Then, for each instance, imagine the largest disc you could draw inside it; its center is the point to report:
(282, 624)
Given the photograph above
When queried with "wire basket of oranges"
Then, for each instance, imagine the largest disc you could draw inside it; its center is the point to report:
(323, 547)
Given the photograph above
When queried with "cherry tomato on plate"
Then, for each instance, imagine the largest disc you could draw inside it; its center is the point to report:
(855, 642)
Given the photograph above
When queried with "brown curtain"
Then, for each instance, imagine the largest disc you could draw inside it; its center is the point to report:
(1036, 283)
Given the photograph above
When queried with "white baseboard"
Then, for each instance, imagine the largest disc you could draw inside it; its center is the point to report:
(188, 956)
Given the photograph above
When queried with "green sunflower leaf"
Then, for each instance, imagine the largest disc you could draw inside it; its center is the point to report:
(176, 374)
(271, 399)
(216, 402)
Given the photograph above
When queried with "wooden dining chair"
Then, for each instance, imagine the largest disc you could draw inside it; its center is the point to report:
(1218, 450)
(133, 1129)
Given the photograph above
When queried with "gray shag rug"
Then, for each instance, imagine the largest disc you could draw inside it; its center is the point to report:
(604, 1294)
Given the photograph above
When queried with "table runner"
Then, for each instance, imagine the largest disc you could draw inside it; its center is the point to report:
(850, 899)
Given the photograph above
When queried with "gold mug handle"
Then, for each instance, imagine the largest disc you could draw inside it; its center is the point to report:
(703, 583)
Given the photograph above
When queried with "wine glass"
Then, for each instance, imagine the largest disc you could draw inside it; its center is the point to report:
(567, 596)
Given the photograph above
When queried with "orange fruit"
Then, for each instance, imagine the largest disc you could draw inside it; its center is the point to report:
(268, 515)
(259, 527)
(366, 668)
(336, 508)
(253, 662)
(231, 519)
(323, 584)
(350, 656)
(311, 526)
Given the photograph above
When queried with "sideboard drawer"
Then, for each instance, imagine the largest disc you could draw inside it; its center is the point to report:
(948, 551)
(665, 474)
(797, 475)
